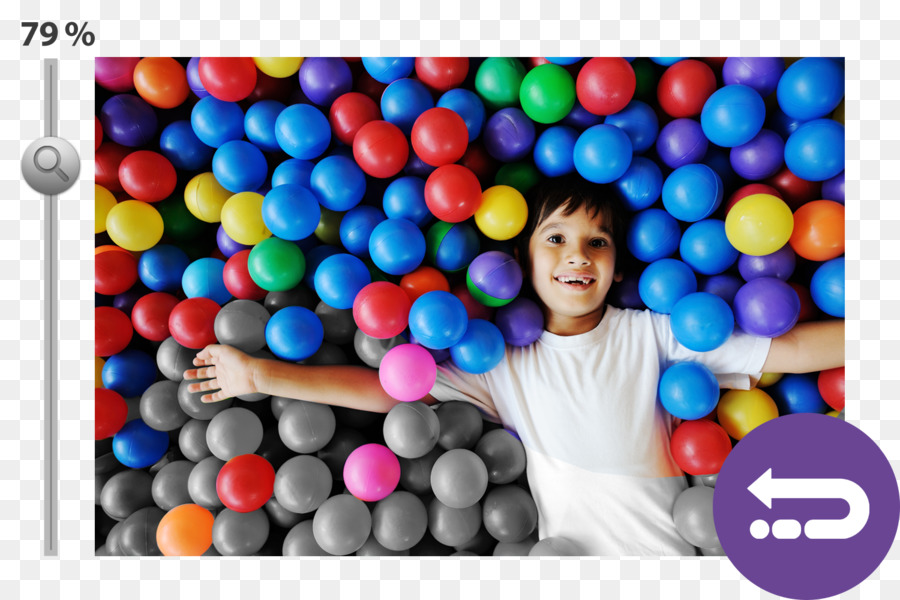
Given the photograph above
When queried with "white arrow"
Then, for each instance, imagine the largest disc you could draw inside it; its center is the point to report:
(766, 488)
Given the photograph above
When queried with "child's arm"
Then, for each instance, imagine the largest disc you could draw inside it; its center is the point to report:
(808, 347)
(231, 373)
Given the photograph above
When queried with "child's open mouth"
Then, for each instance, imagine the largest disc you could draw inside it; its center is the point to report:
(575, 281)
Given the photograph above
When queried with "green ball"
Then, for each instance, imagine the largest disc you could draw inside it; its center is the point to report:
(178, 222)
(497, 82)
(433, 239)
(276, 265)
(329, 228)
(547, 93)
(520, 175)
(646, 79)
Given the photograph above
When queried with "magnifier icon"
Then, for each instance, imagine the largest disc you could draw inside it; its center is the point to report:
(47, 160)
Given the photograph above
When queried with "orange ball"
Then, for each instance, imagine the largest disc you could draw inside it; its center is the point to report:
(819, 230)
(422, 280)
(161, 81)
(186, 530)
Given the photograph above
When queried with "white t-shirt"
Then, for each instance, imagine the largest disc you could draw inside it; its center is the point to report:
(595, 436)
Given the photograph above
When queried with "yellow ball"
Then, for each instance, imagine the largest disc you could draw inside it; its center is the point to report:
(103, 203)
(834, 413)
(740, 411)
(502, 212)
(759, 224)
(279, 67)
(329, 228)
(205, 197)
(98, 372)
(134, 225)
(838, 114)
(242, 218)
(768, 379)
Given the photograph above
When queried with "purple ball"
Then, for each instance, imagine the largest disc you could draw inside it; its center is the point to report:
(193, 78)
(681, 142)
(779, 264)
(509, 135)
(766, 307)
(495, 274)
(521, 322)
(324, 79)
(724, 285)
(228, 246)
(760, 73)
(761, 157)
(128, 120)
(581, 118)
(833, 189)
(625, 293)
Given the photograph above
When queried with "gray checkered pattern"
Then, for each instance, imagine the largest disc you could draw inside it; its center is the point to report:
(342, 27)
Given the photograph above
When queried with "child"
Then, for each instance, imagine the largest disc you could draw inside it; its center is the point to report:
(583, 397)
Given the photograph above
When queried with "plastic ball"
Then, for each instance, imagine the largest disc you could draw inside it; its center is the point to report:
(827, 287)
(759, 224)
(242, 218)
(203, 278)
(639, 121)
(306, 427)
(641, 185)
(502, 212)
(693, 515)
(291, 212)
(833, 189)
(186, 530)
(161, 81)
(553, 151)
(216, 122)
(278, 66)
(237, 279)
(702, 321)
(323, 79)
(602, 153)
(509, 135)
(349, 112)
(388, 69)
(453, 193)
(103, 203)
(404, 198)
(161, 267)
(811, 88)
(411, 429)
(442, 73)
(498, 80)
(766, 307)
(110, 413)
(341, 525)
(403, 101)
(818, 230)
(480, 349)
(240, 534)
(302, 484)
(259, 124)
(438, 320)
(831, 383)
(397, 246)
(733, 115)
(692, 192)
(521, 322)
(423, 280)
(700, 447)
(112, 331)
(664, 282)
(228, 78)
(107, 159)
(439, 136)
(724, 285)
(245, 483)
(204, 197)
(467, 105)
(684, 87)
(510, 514)
(339, 278)
(115, 270)
(381, 310)
(760, 73)
(494, 278)
(115, 74)
(292, 170)
(134, 225)
(191, 322)
(239, 166)
(761, 157)
(136, 445)
(741, 411)
(399, 521)
(150, 315)
(653, 234)
(371, 472)
(193, 78)
(815, 152)
(294, 333)
(681, 142)
(357, 226)
(688, 390)
(459, 478)
(147, 176)
(547, 93)
(555, 546)
(338, 183)
(705, 247)
(181, 146)
(605, 85)
(380, 149)
(303, 131)
(128, 120)
(407, 372)
(797, 393)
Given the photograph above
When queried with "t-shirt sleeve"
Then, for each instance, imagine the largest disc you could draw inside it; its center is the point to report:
(737, 364)
(452, 383)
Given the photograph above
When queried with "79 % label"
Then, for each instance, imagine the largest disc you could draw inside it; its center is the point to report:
(50, 33)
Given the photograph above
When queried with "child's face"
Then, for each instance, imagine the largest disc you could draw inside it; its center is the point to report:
(573, 264)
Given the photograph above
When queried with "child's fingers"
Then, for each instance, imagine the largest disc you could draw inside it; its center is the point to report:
(203, 386)
(215, 397)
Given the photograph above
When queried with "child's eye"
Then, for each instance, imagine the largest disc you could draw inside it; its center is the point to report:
(599, 243)
(555, 239)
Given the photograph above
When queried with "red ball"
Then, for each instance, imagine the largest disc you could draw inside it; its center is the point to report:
(684, 88)
(107, 159)
(444, 73)
(98, 133)
(115, 270)
(381, 310)
(150, 315)
(808, 309)
(269, 88)
(605, 85)
(794, 191)
(452, 193)
(439, 137)
(749, 190)
(191, 322)
(368, 85)
(474, 308)
(349, 112)
(831, 386)
(380, 149)
(228, 78)
(112, 331)
(110, 412)
(700, 447)
(480, 162)
(236, 276)
(245, 483)
(424, 279)
(147, 176)
(161, 81)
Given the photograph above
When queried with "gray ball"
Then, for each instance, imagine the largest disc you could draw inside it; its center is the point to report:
(125, 493)
(190, 402)
(278, 405)
(173, 359)
(202, 483)
(302, 484)
(170, 485)
(279, 516)
(371, 350)
(138, 533)
(327, 354)
(342, 525)
(411, 429)
(159, 406)
(113, 540)
(555, 546)
(306, 427)
(453, 526)
(338, 323)
(717, 551)
(693, 514)
(399, 521)
(461, 425)
(515, 549)
(298, 296)
(373, 548)
(300, 541)
(344, 441)
(192, 440)
(503, 455)
(708, 480)
(481, 544)
(233, 432)
(415, 474)
(510, 514)
(459, 478)
(242, 324)
(240, 534)
(134, 408)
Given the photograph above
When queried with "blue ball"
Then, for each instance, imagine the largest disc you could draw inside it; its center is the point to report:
(666, 61)
(397, 246)
(130, 372)
(733, 115)
(162, 267)
(338, 182)
(706, 249)
(240, 166)
(692, 192)
(782, 124)
(291, 212)
(563, 60)
(292, 170)
(480, 349)
(314, 258)
(719, 160)
(467, 105)
(811, 88)
(798, 393)
(339, 279)
(259, 124)
(702, 321)
(827, 287)
(456, 249)
(665, 282)
(653, 234)
(640, 122)
(602, 153)
(303, 131)
(294, 333)
(815, 152)
(183, 148)
(215, 121)
(553, 151)
(404, 198)
(387, 69)
(203, 278)
(357, 226)
(138, 446)
(688, 390)
(403, 101)
(641, 185)
(438, 320)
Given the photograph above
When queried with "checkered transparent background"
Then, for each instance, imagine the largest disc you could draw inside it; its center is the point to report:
(385, 27)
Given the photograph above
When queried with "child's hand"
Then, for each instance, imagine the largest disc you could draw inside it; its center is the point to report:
(225, 369)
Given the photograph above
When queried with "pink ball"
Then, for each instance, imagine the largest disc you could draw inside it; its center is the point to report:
(371, 472)
(407, 372)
